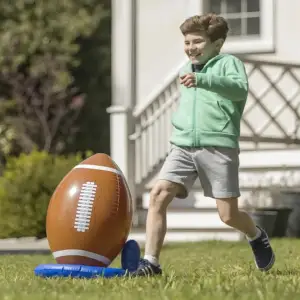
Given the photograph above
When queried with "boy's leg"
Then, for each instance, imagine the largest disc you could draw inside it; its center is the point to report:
(257, 237)
(175, 180)
(232, 216)
(218, 170)
(161, 195)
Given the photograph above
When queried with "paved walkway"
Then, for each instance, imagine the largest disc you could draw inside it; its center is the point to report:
(24, 245)
(32, 245)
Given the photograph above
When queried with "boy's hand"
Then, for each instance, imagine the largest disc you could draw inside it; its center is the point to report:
(189, 80)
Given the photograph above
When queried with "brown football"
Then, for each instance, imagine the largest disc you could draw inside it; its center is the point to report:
(90, 213)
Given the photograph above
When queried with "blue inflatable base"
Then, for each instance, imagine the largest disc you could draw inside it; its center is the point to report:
(76, 271)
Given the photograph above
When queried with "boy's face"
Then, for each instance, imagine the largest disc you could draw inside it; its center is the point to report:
(199, 48)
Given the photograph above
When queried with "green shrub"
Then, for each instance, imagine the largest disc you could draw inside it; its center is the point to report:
(26, 187)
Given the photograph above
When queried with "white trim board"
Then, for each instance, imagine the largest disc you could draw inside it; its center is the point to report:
(195, 199)
(261, 159)
(184, 237)
(265, 43)
(187, 220)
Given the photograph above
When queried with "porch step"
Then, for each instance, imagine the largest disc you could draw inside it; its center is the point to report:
(196, 200)
(192, 219)
(183, 236)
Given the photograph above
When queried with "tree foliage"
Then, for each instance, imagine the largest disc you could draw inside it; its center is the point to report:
(93, 76)
(40, 42)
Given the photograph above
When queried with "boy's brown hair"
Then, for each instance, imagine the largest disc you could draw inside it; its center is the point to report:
(214, 26)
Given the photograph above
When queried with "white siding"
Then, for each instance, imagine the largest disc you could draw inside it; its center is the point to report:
(286, 24)
(159, 40)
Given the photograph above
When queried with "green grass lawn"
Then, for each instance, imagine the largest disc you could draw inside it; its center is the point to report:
(208, 270)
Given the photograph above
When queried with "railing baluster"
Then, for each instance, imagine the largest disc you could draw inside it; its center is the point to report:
(163, 133)
(144, 146)
(155, 146)
(138, 155)
(150, 141)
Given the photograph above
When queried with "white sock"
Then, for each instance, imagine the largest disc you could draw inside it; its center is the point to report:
(258, 234)
(152, 259)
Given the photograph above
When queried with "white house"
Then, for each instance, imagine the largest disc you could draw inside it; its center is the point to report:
(147, 52)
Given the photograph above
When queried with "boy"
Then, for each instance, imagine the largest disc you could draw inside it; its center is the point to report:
(214, 90)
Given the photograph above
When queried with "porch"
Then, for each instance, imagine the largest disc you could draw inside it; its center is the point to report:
(270, 137)
(270, 153)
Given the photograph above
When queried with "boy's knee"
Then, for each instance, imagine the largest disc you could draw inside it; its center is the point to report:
(228, 210)
(162, 194)
(227, 218)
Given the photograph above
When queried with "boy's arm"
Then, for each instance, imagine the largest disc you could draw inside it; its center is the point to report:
(233, 86)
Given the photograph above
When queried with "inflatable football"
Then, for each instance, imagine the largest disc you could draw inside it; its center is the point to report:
(90, 213)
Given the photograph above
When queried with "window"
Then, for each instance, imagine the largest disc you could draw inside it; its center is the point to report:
(250, 24)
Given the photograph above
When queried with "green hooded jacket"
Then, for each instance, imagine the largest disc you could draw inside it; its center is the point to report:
(210, 113)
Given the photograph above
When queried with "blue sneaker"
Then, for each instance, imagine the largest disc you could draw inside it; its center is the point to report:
(145, 268)
(263, 252)
(130, 256)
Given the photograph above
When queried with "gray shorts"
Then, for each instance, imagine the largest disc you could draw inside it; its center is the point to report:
(216, 167)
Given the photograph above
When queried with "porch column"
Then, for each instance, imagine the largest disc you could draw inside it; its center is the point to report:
(123, 88)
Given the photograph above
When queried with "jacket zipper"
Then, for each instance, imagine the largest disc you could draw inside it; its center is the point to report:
(194, 110)
(194, 116)
(194, 105)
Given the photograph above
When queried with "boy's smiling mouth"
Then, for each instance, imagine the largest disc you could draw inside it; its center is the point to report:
(195, 56)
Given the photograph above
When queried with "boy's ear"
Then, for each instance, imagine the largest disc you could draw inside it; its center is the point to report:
(219, 43)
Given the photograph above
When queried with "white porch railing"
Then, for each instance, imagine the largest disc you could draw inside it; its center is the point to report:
(153, 129)
(271, 118)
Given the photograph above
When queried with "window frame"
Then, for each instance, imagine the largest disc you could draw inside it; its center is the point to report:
(265, 43)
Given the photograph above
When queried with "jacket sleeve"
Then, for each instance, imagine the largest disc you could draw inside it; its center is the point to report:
(233, 85)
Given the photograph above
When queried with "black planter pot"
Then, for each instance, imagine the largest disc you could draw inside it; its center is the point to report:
(265, 219)
(281, 222)
(292, 198)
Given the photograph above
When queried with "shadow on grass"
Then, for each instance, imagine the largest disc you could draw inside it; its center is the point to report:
(285, 272)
